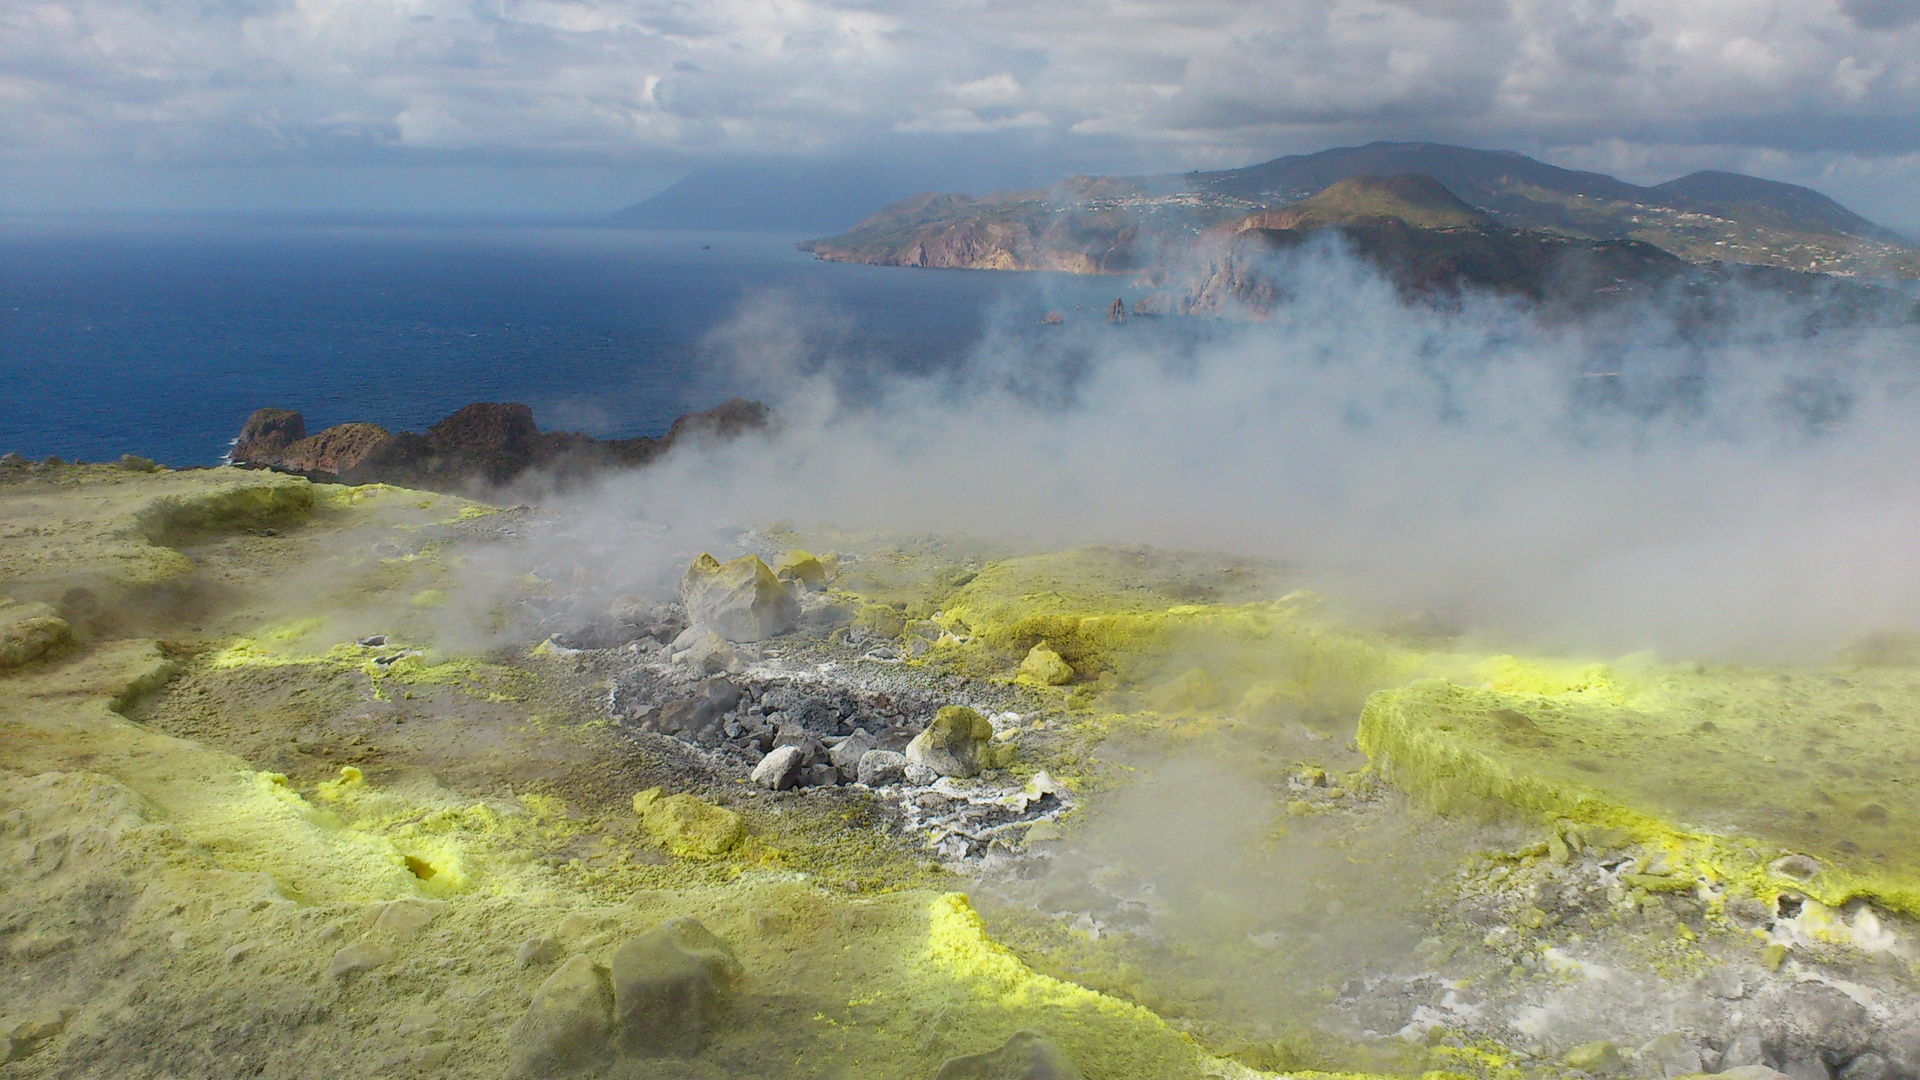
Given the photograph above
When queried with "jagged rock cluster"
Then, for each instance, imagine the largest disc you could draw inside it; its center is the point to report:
(485, 444)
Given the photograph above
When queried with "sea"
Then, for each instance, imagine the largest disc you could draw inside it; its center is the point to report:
(158, 337)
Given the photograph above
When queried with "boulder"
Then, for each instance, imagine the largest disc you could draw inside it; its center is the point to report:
(846, 755)
(1598, 1058)
(1670, 1055)
(266, 435)
(669, 987)
(687, 826)
(1026, 1055)
(1045, 666)
(879, 767)
(567, 1023)
(780, 769)
(29, 632)
(740, 600)
(803, 568)
(954, 744)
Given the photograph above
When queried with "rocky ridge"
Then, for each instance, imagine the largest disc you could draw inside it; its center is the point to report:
(483, 445)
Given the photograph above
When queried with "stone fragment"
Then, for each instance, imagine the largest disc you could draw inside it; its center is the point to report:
(430, 1056)
(362, 955)
(847, 754)
(407, 916)
(878, 767)
(1752, 1072)
(802, 567)
(537, 952)
(1026, 1055)
(1045, 666)
(780, 769)
(1723, 982)
(739, 600)
(669, 986)
(687, 826)
(705, 651)
(23, 1035)
(1670, 1055)
(1868, 1066)
(1598, 1058)
(1743, 1051)
(1798, 867)
(566, 1024)
(954, 744)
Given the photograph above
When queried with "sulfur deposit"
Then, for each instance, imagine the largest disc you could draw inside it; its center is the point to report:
(283, 780)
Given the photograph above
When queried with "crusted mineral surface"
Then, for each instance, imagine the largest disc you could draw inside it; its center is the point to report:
(284, 779)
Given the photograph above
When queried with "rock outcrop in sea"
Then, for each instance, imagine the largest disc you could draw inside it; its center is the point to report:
(486, 444)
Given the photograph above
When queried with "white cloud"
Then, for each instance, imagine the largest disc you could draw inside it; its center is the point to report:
(1182, 82)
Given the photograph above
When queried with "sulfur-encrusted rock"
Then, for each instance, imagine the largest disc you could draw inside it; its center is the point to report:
(1045, 666)
(1026, 1055)
(687, 826)
(28, 632)
(739, 600)
(669, 987)
(954, 744)
(802, 567)
(360, 956)
(567, 1023)
(1598, 1058)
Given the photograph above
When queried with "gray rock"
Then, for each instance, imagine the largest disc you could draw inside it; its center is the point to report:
(567, 1023)
(739, 600)
(780, 769)
(1743, 1051)
(820, 775)
(1822, 1023)
(362, 955)
(1670, 1055)
(878, 767)
(1723, 982)
(1868, 1066)
(1901, 1045)
(537, 952)
(1027, 1055)
(1752, 1072)
(669, 987)
(812, 750)
(846, 756)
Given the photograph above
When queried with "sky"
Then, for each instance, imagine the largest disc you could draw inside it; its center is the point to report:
(581, 106)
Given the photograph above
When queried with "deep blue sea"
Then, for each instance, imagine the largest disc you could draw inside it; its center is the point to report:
(158, 338)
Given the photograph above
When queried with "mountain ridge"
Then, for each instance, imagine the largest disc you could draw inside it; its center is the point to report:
(1131, 224)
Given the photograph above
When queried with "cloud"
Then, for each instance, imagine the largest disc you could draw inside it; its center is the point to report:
(1211, 80)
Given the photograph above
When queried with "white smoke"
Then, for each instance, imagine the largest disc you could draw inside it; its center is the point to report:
(1746, 485)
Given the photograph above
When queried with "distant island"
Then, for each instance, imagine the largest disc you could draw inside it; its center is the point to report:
(1436, 212)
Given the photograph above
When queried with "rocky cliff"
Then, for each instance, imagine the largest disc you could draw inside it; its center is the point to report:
(486, 444)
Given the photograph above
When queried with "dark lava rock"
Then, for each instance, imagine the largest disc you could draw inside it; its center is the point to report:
(669, 987)
(1027, 1055)
(486, 444)
(267, 434)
